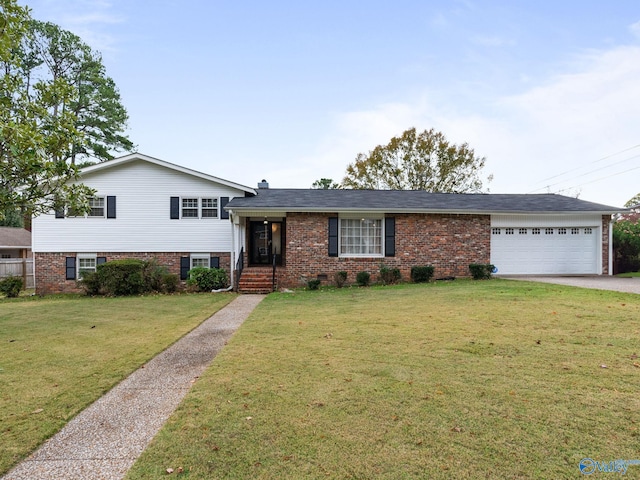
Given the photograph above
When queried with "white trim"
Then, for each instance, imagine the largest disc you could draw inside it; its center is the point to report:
(85, 256)
(362, 216)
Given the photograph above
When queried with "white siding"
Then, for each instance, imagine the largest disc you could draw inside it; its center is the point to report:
(142, 222)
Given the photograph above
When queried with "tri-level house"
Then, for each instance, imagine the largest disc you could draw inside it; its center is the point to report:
(148, 208)
(143, 208)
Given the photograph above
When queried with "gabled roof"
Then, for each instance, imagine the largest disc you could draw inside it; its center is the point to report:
(146, 158)
(399, 201)
(12, 237)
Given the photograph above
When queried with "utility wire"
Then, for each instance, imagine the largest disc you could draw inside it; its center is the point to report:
(548, 186)
(586, 173)
(599, 179)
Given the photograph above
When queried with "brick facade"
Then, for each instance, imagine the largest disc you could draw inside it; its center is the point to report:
(606, 219)
(448, 242)
(51, 267)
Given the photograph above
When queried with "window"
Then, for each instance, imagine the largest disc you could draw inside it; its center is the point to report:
(495, 231)
(189, 208)
(575, 231)
(361, 237)
(588, 231)
(96, 205)
(209, 208)
(86, 263)
(562, 231)
(200, 260)
(508, 231)
(535, 231)
(522, 231)
(199, 208)
(548, 231)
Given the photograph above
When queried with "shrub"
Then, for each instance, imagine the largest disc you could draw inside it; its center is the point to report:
(340, 278)
(158, 279)
(389, 276)
(422, 274)
(313, 284)
(11, 286)
(128, 277)
(121, 277)
(481, 271)
(207, 279)
(91, 283)
(363, 279)
(170, 282)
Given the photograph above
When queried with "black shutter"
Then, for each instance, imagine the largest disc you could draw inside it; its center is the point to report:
(70, 267)
(60, 212)
(185, 266)
(223, 213)
(175, 208)
(111, 207)
(101, 260)
(214, 262)
(333, 236)
(390, 237)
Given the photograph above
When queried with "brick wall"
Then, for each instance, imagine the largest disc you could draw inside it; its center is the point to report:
(50, 268)
(605, 244)
(448, 242)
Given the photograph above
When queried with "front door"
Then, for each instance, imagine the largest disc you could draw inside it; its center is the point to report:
(265, 241)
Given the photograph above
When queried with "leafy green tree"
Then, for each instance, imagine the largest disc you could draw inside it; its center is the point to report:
(626, 240)
(36, 135)
(417, 161)
(325, 184)
(49, 52)
(626, 245)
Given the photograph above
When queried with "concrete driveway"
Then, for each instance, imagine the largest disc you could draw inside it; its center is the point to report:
(600, 282)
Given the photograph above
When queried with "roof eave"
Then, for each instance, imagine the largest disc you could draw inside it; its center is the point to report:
(156, 161)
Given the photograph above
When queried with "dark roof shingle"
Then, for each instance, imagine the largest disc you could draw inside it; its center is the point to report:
(302, 200)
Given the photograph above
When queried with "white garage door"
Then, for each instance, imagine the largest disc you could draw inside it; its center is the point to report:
(552, 250)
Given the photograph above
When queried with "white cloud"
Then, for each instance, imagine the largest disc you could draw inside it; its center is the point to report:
(634, 28)
(91, 20)
(566, 124)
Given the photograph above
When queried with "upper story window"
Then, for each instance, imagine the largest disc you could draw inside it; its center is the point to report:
(361, 237)
(209, 208)
(97, 207)
(199, 207)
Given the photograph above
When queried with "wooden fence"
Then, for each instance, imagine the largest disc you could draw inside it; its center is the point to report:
(18, 267)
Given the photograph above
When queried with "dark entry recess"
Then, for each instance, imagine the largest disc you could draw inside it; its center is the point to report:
(265, 241)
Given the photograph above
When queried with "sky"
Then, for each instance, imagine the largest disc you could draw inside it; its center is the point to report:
(292, 91)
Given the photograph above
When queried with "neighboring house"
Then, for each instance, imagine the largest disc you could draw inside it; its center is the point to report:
(15, 254)
(147, 208)
(144, 208)
(316, 233)
(14, 242)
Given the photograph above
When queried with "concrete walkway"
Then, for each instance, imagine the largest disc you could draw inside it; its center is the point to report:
(104, 440)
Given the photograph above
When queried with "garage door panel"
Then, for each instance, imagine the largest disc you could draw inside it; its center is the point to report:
(545, 250)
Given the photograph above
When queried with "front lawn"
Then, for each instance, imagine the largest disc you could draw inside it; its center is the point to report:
(59, 354)
(490, 379)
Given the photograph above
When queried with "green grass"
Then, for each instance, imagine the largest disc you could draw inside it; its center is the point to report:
(59, 354)
(628, 275)
(490, 379)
